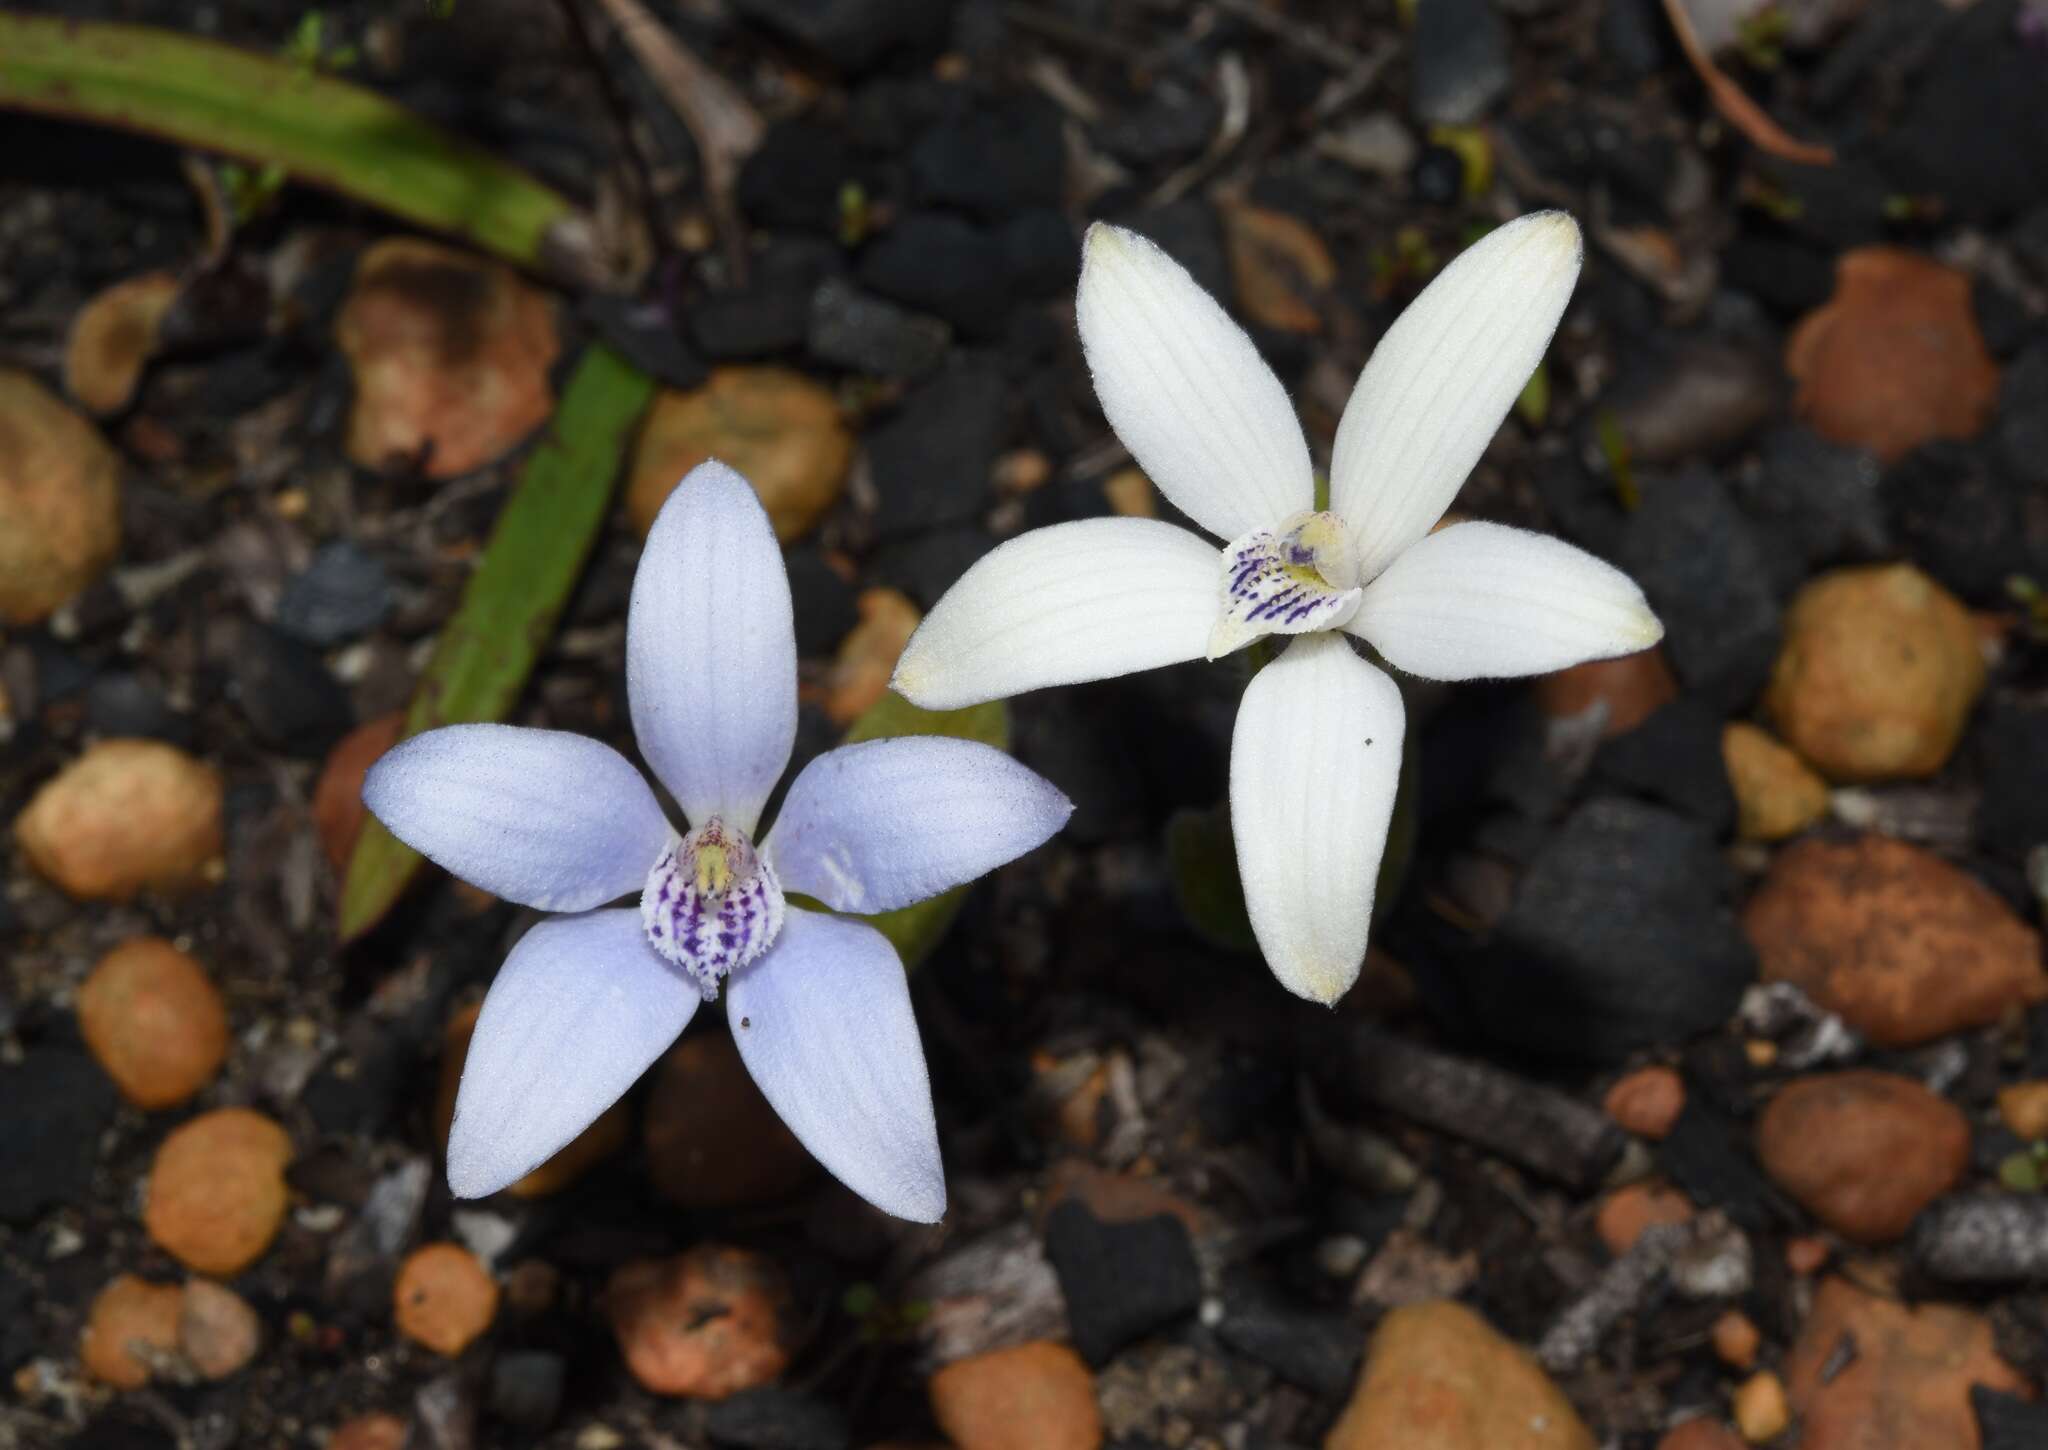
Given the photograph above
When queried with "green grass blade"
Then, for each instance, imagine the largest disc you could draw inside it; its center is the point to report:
(914, 930)
(508, 612)
(273, 112)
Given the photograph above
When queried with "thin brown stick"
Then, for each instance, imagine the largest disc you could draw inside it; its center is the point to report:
(1736, 107)
(723, 123)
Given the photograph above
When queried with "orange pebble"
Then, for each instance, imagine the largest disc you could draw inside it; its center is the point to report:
(443, 1298)
(154, 1021)
(374, 1431)
(216, 1195)
(1762, 1411)
(1736, 1340)
(706, 1324)
(1628, 1211)
(131, 1322)
(1806, 1254)
(1647, 1102)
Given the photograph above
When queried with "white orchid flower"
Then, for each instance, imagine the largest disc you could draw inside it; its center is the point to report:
(818, 1005)
(1316, 753)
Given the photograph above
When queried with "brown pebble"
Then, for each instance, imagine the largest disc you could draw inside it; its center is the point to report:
(154, 1021)
(1736, 1340)
(1630, 688)
(1625, 1213)
(216, 1194)
(1877, 674)
(125, 815)
(780, 430)
(374, 1431)
(218, 1332)
(1776, 793)
(530, 1287)
(584, 1152)
(338, 809)
(1905, 1384)
(1439, 1377)
(705, 1324)
(1863, 1151)
(1894, 358)
(1035, 1396)
(132, 1325)
(712, 1139)
(1020, 471)
(112, 337)
(450, 354)
(60, 500)
(867, 656)
(2024, 1107)
(1906, 947)
(1703, 1433)
(1647, 1102)
(1130, 494)
(1807, 1253)
(443, 1298)
(1119, 1197)
(1761, 1411)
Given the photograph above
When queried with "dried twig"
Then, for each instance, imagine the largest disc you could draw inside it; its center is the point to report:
(1736, 107)
(723, 123)
(1234, 86)
(1524, 1122)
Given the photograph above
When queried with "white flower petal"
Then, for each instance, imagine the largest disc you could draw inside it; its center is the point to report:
(1443, 377)
(1477, 601)
(1059, 605)
(878, 825)
(579, 1010)
(823, 1022)
(1314, 765)
(1186, 390)
(711, 650)
(545, 818)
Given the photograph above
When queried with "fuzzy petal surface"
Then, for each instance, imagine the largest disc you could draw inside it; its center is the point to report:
(1186, 390)
(823, 1022)
(580, 1009)
(1082, 601)
(711, 650)
(1315, 762)
(544, 818)
(1442, 379)
(1484, 601)
(881, 824)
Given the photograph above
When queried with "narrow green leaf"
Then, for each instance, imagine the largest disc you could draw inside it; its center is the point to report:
(914, 930)
(1201, 861)
(508, 611)
(1201, 857)
(276, 112)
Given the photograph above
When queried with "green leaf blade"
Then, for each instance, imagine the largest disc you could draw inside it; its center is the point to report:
(270, 111)
(536, 552)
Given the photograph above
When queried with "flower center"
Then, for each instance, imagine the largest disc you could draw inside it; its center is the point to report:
(711, 904)
(1297, 578)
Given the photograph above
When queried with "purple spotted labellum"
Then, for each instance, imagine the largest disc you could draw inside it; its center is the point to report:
(817, 1002)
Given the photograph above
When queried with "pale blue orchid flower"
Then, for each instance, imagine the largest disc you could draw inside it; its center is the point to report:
(818, 1004)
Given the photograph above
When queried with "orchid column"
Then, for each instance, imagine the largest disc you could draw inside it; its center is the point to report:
(1316, 754)
(817, 1003)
